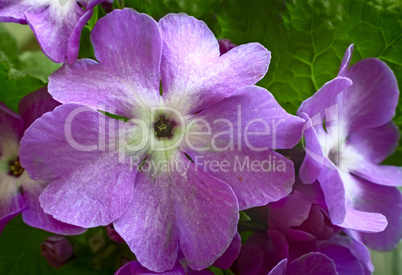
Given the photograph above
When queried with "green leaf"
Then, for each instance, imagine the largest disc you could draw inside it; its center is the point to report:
(201, 9)
(244, 217)
(94, 18)
(216, 271)
(20, 249)
(15, 84)
(308, 39)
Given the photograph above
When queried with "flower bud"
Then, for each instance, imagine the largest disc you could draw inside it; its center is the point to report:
(57, 250)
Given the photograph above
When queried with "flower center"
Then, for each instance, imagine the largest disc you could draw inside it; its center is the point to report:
(15, 168)
(333, 155)
(164, 127)
(62, 2)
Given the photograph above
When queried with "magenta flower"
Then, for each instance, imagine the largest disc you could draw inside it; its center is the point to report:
(344, 157)
(181, 206)
(13, 177)
(57, 24)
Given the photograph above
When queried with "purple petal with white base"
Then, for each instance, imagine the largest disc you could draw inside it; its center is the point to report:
(125, 77)
(77, 167)
(191, 63)
(169, 212)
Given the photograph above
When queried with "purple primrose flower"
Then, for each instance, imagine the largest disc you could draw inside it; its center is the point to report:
(345, 156)
(57, 24)
(13, 177)
(193, 149)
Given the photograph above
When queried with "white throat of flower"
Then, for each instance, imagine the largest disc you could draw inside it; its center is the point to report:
(160, 132)
(344, 156)
(60, 8)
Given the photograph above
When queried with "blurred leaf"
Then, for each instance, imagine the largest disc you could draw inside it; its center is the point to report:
(72, 268)
(8, 44)
(20, 249)
(15, 83)
(38, 65)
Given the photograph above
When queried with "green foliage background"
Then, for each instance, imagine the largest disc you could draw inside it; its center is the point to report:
(307, 40)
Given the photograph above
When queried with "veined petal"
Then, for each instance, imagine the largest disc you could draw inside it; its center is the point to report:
(334, 191)
(380, 174)
(383, 200)
(179, 208)
(33, 214)
(346, 61)
(53, 27)
(90, 185)
(359, 217)
(314, 158)
(14, 10)
(73, 44)
(257, 178)
(236, 121)
(192, 65)
(375, 144)
(371, 100)
(324, 98)
(126, 77)
(313, 263)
